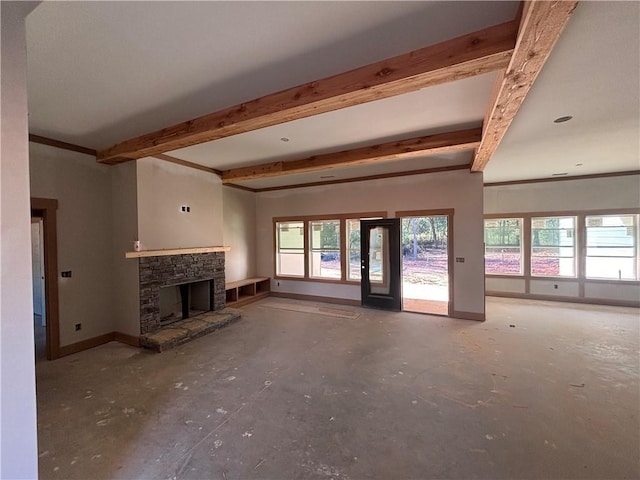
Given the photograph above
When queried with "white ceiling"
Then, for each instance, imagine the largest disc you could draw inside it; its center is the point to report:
(102, 72)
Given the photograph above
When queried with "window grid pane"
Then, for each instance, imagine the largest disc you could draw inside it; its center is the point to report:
(611, 247)
(353, 247)
(503, 246)
(324, 252)
(290, 249)
(553, 246)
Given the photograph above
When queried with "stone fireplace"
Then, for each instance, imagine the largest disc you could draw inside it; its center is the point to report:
(176, 273)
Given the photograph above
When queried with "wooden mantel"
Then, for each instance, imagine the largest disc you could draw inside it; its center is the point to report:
(175, 251)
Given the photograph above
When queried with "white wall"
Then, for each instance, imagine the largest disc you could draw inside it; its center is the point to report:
(239, 232)
(162, 188)
(125, 306)
(619, 192)
(18, 448)
(83, 190)
(457, 189)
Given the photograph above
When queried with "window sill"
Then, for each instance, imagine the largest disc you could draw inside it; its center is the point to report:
(551, 277)
(612, 281)
(318, 280)
(505, 275)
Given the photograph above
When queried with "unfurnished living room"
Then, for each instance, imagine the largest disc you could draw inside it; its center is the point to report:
(347, 240)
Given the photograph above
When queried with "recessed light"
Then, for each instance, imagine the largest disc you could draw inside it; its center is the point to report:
(284, 139)
(324, 177)
(563, 119)
(559, 174)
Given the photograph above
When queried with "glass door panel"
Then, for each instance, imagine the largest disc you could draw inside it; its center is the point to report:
(380, 258)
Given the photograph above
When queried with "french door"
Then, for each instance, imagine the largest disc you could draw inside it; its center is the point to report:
(380, 263)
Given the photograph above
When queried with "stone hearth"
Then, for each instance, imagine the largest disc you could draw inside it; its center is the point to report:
(184, 331)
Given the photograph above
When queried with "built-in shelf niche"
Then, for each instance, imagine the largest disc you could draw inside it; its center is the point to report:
(247, 291)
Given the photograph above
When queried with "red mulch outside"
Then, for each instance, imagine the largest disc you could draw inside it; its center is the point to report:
(545, 266)
(426, 271)
(500, 263)
(430, 268)
(509, 263)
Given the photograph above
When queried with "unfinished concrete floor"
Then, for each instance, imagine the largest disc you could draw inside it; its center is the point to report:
(295, 395)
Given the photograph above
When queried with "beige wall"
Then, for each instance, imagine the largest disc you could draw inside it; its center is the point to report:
(239, 232)
(18, 449)
(83, 190)
(126, 300)
(586, 194)
(621, 192)
(458, 189)
(102, 209)
(162, 189)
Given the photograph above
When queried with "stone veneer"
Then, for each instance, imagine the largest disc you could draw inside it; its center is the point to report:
(163, 271)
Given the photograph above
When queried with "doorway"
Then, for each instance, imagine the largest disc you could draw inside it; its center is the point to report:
(43, 214)
(38, 288)
(426, 261)
(380, 263)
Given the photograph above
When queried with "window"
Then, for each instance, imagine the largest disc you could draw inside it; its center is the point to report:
(324, 251)
(553, 248)
(353, 247)
(612, 242)
(324, 247)
(290, 249)
(503, 246)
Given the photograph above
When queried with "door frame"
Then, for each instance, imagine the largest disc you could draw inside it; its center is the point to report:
(449, 213)
(393, 301)
(46, 208)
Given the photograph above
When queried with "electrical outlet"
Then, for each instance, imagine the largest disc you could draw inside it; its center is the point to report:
(555, 285)
(185, 208)
(78, 326)
(66, 274)
(278, 284)
(459, 259)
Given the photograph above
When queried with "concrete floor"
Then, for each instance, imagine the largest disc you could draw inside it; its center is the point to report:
(292, 395)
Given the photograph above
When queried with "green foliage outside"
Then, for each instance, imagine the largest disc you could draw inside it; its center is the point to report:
(422, 233)
(325, 235)
(547, 234)
(502, 233)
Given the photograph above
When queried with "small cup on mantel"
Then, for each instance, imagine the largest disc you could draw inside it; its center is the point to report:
(137, 246)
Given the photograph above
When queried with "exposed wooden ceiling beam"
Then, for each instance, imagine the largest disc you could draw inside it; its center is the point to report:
(540, 27)
(186, 163)
(52, 142)
(476, 53)
(414, 147)
(406, 173)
